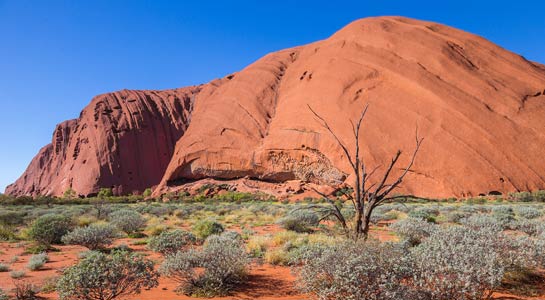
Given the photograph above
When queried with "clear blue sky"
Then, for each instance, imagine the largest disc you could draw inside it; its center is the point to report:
(56, 55)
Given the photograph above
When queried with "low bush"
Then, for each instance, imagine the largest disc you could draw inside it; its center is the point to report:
(26, 291)
(205, 228)
(480, 221)
(16, 274)
(356, 271)
(424, 213)
(530, 227)
(257, 245)
(3, 295)
(94, 237)
(300, 220)
(169, 242)
(477, 261)
(413, 230)
(37, 261)
(49, 229)
(213, 271)
(127, 220)
(528, 212)
(4, 268)
(99, 276)
(7, 232)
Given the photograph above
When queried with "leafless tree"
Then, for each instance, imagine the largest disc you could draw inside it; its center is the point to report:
(366, 196)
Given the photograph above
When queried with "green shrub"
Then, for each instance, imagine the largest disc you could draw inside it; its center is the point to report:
(356, 271)
(300, 220)
(521, 196)
(215, 270)
(49, 229)
(105, 193)
(26, 291)
(93, 237)
(99, 276)
(413, 230)
(528, 212)
(16, 274)
(205, 228)
(4, 268)
(127, 220)
(7, 232)
(423, 214)
(169, 242)
(37, 261)
(3, 295)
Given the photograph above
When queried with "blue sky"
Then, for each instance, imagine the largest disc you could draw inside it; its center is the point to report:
(56, 55)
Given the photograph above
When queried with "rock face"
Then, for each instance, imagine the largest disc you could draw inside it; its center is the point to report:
(479, 107)
(122, 140)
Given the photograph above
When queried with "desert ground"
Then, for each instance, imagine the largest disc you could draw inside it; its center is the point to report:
(273, 234)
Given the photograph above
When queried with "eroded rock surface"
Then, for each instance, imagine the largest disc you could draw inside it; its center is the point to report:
(479, 107)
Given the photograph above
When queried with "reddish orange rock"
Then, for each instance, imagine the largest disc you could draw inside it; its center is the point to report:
(479, 107)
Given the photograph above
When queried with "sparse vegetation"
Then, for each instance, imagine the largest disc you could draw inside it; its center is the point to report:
(37, 261)
(106, 277)
(205, 228)
(49, 229)
(170, 242)
(93, 237)
(127, 220)
(223, 263)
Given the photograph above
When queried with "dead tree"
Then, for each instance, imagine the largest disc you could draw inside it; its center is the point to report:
(366, 197)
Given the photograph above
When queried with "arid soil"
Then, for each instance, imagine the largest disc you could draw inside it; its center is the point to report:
(266, 282)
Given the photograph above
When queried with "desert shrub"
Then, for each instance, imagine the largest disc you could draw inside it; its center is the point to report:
(4, 268)
(539, 196)
(413, 230)
(300, 220)
(105, 193)
(169, 242)
(16, 274)
(26, 291)
(388, 216)
(455, 216)
(473, 269)
(7, 232)
(480, 221)
(530, 227)
(127, 220)
(356, 271)
(424, 213)
(503, 210)
(37, 261)
(49, 229)
(528, 212)
(147, 193)
(99, 276)
(13, 218)
(3, 295)
(521, 196)
(95, 236)
(222, 265)
(257, 245)
(471, 209)
(277, 257)
(205, 228)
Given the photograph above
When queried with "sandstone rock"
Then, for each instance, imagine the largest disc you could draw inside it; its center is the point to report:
(479, 107)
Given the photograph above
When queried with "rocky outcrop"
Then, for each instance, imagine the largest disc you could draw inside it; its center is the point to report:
(122, 140)
(478, 106)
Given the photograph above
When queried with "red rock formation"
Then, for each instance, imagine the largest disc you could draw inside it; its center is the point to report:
(123, 140)
(478, 106)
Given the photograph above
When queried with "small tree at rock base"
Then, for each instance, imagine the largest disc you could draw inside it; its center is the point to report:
(366, 197)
